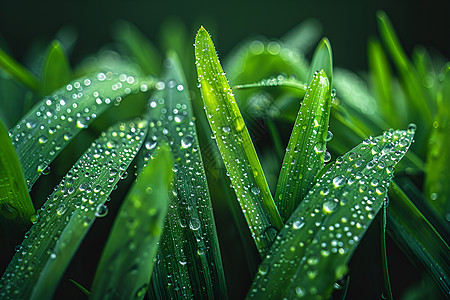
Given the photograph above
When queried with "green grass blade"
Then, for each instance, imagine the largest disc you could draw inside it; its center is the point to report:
(304, 156)
(127, 261)
(303, 36)
(18, 72)
(387, 282)
(314, 247)
(49, 126)
(412, 232)
(322, 60)
(65, 218)
(437, 189)
(381, 78)
(419, 107)
(139, 47)
(188, 260)
(15, 201)
(56, 71)
(235, 145)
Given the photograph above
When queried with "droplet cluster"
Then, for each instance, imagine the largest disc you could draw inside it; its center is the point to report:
(233, 140)
(306, 151)
(70, 210)
(189, 238)
(54, 121)
(324, 230)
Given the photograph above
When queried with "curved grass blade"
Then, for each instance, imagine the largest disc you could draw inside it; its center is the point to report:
(437, 189)
(381, 78)
(127, 261)
(314, 247)
(387, 282)
(235, 145)
(188, 262)
(322, 60)
(49, 126)
(56, 71)
(18, 72)
(139, 47)
(65, 218)
(15, 201)
(421, 107)
(412, 232)
(305, 152)
(303, 36)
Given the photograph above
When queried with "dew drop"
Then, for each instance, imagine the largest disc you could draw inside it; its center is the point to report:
(263, 269)
(330, 205)
(61, 209)
(298, 223)
(329, 136)
(186, 141)
(339, 181)
(101, 210)
(255, 190)
(326, 157)
(194, 224)
(43, 139)
(319, 147)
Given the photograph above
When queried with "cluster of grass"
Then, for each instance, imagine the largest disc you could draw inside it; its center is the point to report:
(296, 158)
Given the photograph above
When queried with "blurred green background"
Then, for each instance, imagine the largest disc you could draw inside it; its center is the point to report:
(347, 24)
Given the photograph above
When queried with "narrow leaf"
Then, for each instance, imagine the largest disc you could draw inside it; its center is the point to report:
(322, 60)
(381, 78)
(419, 108)
(412, 232)
(127, 261)
(15, 202)
(318, 240)
(49, 126)
(303, 36)
(235, 145)
(188, 262)
(56, 71)
(305, 152)
(437, 189)
(63, 221)
(18, 72)
(139, 47)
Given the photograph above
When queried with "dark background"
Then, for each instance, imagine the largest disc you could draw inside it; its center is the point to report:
(347, 24)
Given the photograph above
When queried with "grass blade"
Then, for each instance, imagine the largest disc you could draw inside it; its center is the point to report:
(65, 218)
(314, 247)
(139, 47)
(303, 36)
(18, 72)
(417, 238)
(381, 78)
(437, 189)
(305, 152)
(235, 145)
(322, 60)
(127, 261)
(15, 201)
(49, 126)
(56, 71)
(387, 282)
(420, 107)
(188, 262)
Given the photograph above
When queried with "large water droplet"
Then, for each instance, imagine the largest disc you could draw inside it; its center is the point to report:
(186, 141)
(101, 210)
(339, 181)
(330, 205)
